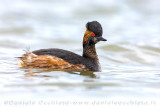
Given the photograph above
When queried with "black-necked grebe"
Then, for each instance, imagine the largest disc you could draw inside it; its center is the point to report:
(59, 59)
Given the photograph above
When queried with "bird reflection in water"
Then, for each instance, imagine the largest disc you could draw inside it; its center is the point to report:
(36, 72)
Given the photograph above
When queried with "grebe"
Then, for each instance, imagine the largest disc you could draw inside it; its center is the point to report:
(63, 60)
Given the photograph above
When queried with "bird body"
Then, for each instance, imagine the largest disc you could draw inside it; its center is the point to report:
(63, 60)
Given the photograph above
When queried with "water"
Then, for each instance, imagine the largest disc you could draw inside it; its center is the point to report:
(130, 59)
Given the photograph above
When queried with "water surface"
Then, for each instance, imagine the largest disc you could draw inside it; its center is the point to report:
(130, 59)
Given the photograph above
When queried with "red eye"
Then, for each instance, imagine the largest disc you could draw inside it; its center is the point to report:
(93, 34)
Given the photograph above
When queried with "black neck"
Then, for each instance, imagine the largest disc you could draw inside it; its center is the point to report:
(90, 51)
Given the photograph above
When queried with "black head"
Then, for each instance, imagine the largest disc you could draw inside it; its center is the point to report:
(94, 33)
(95, 27)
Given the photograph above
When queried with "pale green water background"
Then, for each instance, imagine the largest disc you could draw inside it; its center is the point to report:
(130, 59)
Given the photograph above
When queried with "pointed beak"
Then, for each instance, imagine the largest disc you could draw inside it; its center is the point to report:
(101, 38)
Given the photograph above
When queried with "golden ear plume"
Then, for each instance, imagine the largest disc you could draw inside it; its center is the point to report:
(87, 35)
